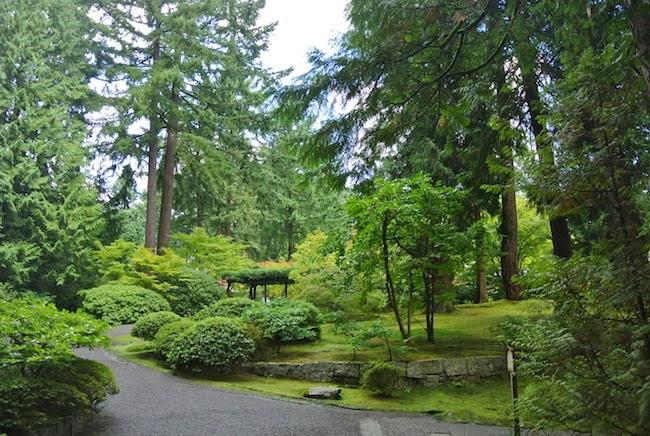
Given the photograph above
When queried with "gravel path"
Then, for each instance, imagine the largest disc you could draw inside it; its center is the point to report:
(154, 403)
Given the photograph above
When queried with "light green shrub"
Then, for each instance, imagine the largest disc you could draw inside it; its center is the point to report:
(227, 307)
(149, 324)
(214, 343)
(167, 334)
(117, 303)
(195, 290)
(284, 321)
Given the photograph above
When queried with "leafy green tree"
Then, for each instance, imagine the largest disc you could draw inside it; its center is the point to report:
(50, 219)
(410, 226)
(318, 278)
(214, 254)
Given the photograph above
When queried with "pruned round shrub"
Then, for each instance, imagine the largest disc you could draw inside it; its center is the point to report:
(285, 321)
(195, 291)
(149, 324)
(43, 394)
(118, 303)
(228, 307)
(215, 343)
(381, 377)
(167, 334)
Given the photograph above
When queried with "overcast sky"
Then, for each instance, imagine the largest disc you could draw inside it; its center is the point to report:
(302, 25)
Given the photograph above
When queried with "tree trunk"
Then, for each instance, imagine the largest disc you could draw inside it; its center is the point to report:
(638, 12)
(152, 171)
(390, 288)
(409, 314)
(429, 302)
(289, 228)
(481, 282)
(559, 224)
(481, 295)
(509, 239)
(164, 229)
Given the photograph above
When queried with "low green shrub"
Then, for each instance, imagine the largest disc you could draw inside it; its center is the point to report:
(215, 343)
(45, 393)
(117, 303)
(195, 291)
(381, 377)
(228, 307)
(41, 380)
(33, 330)
(285, 321)
(167, 334)
(147, 326)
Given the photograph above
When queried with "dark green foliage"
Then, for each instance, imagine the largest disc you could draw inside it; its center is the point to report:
(41, 381)
(381, 377)
(48, 392)
(259, 276)
(227, 307)
(195, 291)
(167, 334)
(589, 342)
(285, 321)
(117, 303)
(216, 343)
(50, 218)
(148, 325)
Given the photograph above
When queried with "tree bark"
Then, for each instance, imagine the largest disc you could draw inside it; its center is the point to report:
(509, 239)
(481, 282)
(289, 229)
(559, 224)
(481, 295)
(429, 302)
(164, 229)
(638, 12)
(390, 288)
(152, 171)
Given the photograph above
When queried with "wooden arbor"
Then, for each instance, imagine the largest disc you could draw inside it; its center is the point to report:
(258, 277)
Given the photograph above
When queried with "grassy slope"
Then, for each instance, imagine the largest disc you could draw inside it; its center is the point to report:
(466, 332)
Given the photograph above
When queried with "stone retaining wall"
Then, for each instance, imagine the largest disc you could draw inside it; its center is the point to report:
(416, 373)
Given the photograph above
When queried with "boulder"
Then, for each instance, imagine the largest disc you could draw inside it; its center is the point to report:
(323, 393)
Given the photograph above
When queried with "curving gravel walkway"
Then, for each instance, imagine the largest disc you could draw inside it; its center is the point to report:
(154, 403)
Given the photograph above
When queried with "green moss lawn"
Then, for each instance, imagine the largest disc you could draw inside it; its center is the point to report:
(468, 331)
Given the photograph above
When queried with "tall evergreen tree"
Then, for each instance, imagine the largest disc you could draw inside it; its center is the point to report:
(50, 218)
(189, 68)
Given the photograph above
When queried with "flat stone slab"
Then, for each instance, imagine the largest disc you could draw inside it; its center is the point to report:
(323, 393)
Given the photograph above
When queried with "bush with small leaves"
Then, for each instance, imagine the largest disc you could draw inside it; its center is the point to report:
(117, 303)
(285, 321)
(167, 334)
(147, 326)
(195, 290)
(228, 307)
(43, 394)
(215, 343)
(381, 377)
